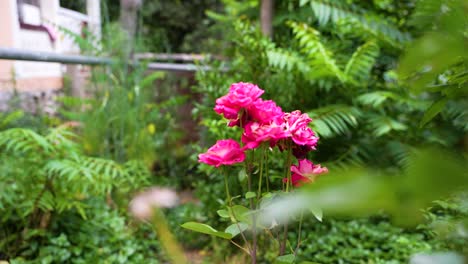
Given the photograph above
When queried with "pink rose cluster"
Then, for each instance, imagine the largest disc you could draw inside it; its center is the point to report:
(262, 121)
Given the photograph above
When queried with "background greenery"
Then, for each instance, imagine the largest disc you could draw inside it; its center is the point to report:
(381, 79)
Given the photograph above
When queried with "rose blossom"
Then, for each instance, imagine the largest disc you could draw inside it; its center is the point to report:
(264, 112)
(256, 133)
(224, 152)
(305, 172)
(241, 95)
(296, 120)
(304, 136)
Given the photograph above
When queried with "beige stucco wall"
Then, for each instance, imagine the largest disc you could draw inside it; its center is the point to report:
(40, 76)
(8, 30)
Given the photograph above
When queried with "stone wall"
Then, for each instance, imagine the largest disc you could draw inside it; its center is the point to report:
(30, 101)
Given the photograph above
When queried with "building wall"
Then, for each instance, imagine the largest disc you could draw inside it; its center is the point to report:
(8, 31)
(40, 80)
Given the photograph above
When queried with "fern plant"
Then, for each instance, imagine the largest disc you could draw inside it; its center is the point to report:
(44, 176)
(358, 18)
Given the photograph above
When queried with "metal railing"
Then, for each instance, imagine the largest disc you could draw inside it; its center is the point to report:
(27, 55)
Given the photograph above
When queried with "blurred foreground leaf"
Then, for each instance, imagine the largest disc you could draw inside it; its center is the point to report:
(429, 175)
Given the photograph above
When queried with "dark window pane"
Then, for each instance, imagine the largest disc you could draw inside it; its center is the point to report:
(76, 5)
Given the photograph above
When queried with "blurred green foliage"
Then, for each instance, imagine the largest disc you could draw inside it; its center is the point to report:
(50, 189)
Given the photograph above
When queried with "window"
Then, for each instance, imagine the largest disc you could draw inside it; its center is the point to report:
(30, 2)
(75, 5)
(29, 12)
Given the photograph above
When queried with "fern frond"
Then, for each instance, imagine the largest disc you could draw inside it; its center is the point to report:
(286, 60)
(382, 125)
(7, 118)
(19, 140)
(363, 59)
(338, 10)
(399, 152)
(107, 169)
(320, 59)
(137, 173)
(69, 170)
(334, 120)
(377, 98)
(63, 139)
(47, 201)
(353, 156)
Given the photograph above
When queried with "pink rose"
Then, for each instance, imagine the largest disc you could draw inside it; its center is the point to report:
(225, 107)
(244, 94)
(295, 120)
(264, 112)
(304, 136)
(305, 172)
(256, 133)
(241, 95)
(224, 152)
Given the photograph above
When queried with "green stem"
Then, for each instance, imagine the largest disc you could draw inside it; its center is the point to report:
(299, 232)
(267, 180)
(262, 164)
(288, 183)
(230, 205)
(228, 194)
(253, 251)
(288, 167)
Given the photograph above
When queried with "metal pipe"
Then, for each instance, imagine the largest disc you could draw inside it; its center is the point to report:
(18, 54)
(27, 55)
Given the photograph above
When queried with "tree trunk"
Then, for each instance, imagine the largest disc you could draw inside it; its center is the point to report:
(129, 21)
(266, 17)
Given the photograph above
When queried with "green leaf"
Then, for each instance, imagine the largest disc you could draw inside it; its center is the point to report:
(223, 213)
(236, 229)
(239, 213)
(285, 259)
(205, 229)
(242, 176)
(317, 212)
(433, 110)
(250, 195)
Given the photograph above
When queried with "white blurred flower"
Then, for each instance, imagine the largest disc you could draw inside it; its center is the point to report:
(143, 204)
